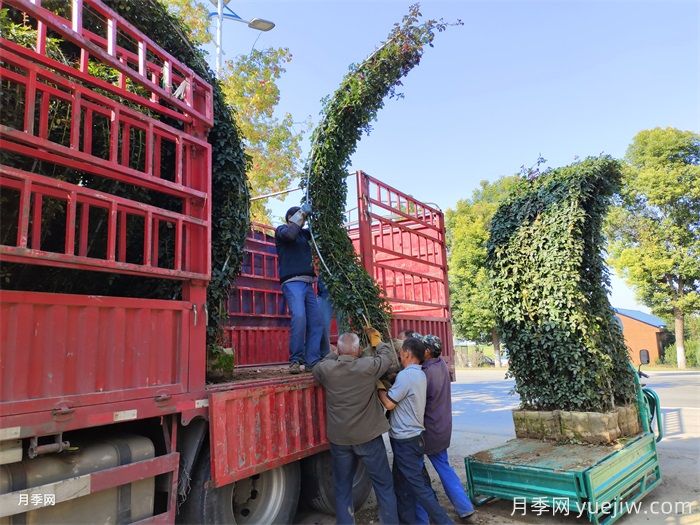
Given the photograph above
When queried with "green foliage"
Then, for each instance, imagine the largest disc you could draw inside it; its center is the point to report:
(692, 354)
(250, 85)
(691, 344)
(471, 295)
(550, 283)
(654, 230)
(230, 193)
(345, 117)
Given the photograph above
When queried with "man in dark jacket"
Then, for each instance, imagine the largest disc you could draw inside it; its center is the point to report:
(438, 429)
(355, 422)
(297, 276)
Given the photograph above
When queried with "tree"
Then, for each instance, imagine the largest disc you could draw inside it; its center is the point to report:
(195, 16)
(250, 85)
(345, 117)
(654, 230)
(470, 288)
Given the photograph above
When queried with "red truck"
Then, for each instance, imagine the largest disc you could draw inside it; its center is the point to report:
(106, 414)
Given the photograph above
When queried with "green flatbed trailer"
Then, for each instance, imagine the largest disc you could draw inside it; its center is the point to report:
(602, 482)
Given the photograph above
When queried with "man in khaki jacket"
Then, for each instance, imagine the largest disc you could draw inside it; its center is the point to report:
(355, 422)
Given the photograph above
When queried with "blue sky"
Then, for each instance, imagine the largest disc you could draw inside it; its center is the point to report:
(519, 79)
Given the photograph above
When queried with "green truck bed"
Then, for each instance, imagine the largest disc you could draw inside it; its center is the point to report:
(601, 480)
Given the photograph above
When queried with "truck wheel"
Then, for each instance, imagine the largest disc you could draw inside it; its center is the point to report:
(270, 497)
(318, 490)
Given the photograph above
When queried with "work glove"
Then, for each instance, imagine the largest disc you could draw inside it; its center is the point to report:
(299, 218)
(375, 338)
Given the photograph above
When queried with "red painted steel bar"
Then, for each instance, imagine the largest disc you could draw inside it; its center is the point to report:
(66, 29)
(38, 185)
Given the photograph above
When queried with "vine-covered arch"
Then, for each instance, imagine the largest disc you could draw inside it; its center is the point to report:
(545, 256)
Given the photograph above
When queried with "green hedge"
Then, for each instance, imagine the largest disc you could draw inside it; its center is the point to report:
(346, 116)
(692, 354)
(545, 258)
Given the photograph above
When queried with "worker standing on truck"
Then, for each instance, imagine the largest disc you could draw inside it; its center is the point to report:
(297, 276)
(406, 401)
(438, 429)
(355, 422)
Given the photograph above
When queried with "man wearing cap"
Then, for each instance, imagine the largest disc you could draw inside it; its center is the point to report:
(406, 401)
(355, 422)
(297, 275)
(438, 429)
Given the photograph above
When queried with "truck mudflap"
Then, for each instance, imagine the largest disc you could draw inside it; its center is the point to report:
(260, 425)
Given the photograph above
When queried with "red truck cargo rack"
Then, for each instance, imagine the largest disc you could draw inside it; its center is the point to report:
(401, 243)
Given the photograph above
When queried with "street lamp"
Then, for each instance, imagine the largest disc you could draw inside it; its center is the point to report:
(259, 24)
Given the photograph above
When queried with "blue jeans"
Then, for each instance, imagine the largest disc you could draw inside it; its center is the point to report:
(306, 329)
(326, 307)
(452, 485)
(411, 484)
(373, 456)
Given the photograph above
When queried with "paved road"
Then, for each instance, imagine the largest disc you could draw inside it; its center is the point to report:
(485, 396)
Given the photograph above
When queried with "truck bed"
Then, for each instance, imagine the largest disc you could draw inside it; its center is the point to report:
(596, 478)
(547, 455)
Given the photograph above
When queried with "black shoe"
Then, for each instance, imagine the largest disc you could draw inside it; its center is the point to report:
(467, 518)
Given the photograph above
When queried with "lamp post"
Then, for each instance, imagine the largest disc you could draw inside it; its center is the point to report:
(259, 24)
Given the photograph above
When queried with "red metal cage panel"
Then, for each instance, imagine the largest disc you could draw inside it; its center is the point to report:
(131, 158)
(258, 323)
(47, 85)
(401, 242)
(258, 426)
(63, 351)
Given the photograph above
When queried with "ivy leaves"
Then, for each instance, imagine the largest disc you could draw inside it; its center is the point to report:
(345, 117)
(550, 290)
(230, 193)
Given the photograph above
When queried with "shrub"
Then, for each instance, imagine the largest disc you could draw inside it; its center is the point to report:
(545, 256)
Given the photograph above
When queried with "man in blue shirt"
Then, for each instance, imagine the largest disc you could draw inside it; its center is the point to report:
(406, 401)
(297, 275)
(438, 429)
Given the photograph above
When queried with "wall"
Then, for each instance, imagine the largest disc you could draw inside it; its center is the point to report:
(640, 335)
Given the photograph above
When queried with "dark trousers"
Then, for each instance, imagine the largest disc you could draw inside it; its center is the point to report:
(411, 484)
(373, 456)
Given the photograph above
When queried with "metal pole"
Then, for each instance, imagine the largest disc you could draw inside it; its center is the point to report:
(219, 25)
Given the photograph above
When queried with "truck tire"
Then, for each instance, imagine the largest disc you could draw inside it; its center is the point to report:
(318, 489)
(269, 497)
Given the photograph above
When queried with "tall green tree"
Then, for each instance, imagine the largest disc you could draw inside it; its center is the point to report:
(471, 295)
(249, 83)
(654, 231)
(273, 142)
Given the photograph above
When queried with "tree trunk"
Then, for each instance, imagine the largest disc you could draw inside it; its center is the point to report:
(680, 347)
(497, 347)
